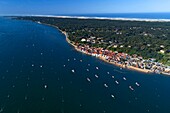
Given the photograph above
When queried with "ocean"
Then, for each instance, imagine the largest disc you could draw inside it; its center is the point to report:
(36, 76)
(124, 15)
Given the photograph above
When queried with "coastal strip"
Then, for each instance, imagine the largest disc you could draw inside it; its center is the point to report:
(106, 58)
(103, 58)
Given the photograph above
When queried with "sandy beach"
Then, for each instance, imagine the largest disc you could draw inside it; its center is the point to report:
(103, 59)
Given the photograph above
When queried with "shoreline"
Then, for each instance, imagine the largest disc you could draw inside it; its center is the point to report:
(101, 58)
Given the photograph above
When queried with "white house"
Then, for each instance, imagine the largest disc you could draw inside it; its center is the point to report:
(83, 40)
(162, 51)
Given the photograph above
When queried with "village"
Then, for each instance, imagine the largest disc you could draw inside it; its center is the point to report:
(123, 60)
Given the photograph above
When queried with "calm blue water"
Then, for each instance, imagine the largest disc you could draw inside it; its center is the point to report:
(128, 15)
(33, 78)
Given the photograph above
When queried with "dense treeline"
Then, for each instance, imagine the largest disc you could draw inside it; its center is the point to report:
(135, 37)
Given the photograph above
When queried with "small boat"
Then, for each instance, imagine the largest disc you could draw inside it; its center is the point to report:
(124, 78)
(108, 72)
(41, 66)
(43, 99)
(131, 88)
(120, 68)
(1, 110)
(64, 65)
(73, 71)
(105, 85)
(74, 58)
(97, 68)
(88, 64)
(68, 60)
(87, 70)
(81, 60)
(25, 97)
(96, 76)
(88, 79)
(117, 82)
(8, 96)
(113, 77)
(45, 86)
(112, 96)
(137, 84)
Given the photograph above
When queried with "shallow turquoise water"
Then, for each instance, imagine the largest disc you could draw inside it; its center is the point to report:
(36, 77)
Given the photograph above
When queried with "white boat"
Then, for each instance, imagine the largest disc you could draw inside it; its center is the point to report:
(88, 79)
(8, 96)
(97, 68)
(81, 60)
(87, 69)
(113, 77)
(42, 98)
(96, 76)
(74, 58)
(68, 60)
(1, 110)
(88, 64)
(124, 78)
(64, 65)
(117, 82)
(25, 97)
(137, 84)
(108, 72)
(112, 96)
(45, 86)
(73, 71)
(105, 85)
(131, 88)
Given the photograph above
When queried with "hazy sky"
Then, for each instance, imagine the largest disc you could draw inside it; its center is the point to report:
(82, 6)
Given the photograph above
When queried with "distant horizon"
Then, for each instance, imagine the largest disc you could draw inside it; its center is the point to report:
(151, 17)
(65, 14)
(44, 7)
